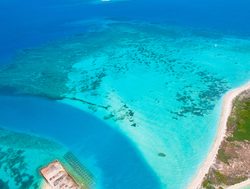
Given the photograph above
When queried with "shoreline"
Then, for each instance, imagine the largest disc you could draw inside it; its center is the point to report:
(221, 132)
(240, 185)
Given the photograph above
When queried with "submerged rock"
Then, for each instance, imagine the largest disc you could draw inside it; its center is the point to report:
(161, 154)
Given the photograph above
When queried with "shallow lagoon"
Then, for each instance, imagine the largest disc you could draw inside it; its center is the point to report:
(111, 158)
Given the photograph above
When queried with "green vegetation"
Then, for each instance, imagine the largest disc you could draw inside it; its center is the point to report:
(216, 178)
(239, 130)
(220, 177)
(222, 156)
(207, 184)
(241, 120)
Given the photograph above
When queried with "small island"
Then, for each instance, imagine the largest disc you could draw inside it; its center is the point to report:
(232, 164)
(228, 164)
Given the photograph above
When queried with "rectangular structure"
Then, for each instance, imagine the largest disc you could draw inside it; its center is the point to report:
(57, 177)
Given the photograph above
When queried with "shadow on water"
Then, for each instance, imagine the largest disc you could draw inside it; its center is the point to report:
(120, 164)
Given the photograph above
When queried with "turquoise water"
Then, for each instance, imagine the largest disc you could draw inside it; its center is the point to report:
(96, 145)
(247, 187)
(158, 85)
(136, 97)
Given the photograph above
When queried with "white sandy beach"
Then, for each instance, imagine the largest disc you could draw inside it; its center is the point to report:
(241, 185)
(226, 110)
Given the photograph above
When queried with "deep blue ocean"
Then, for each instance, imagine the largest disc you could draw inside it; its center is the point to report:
(32, 22)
